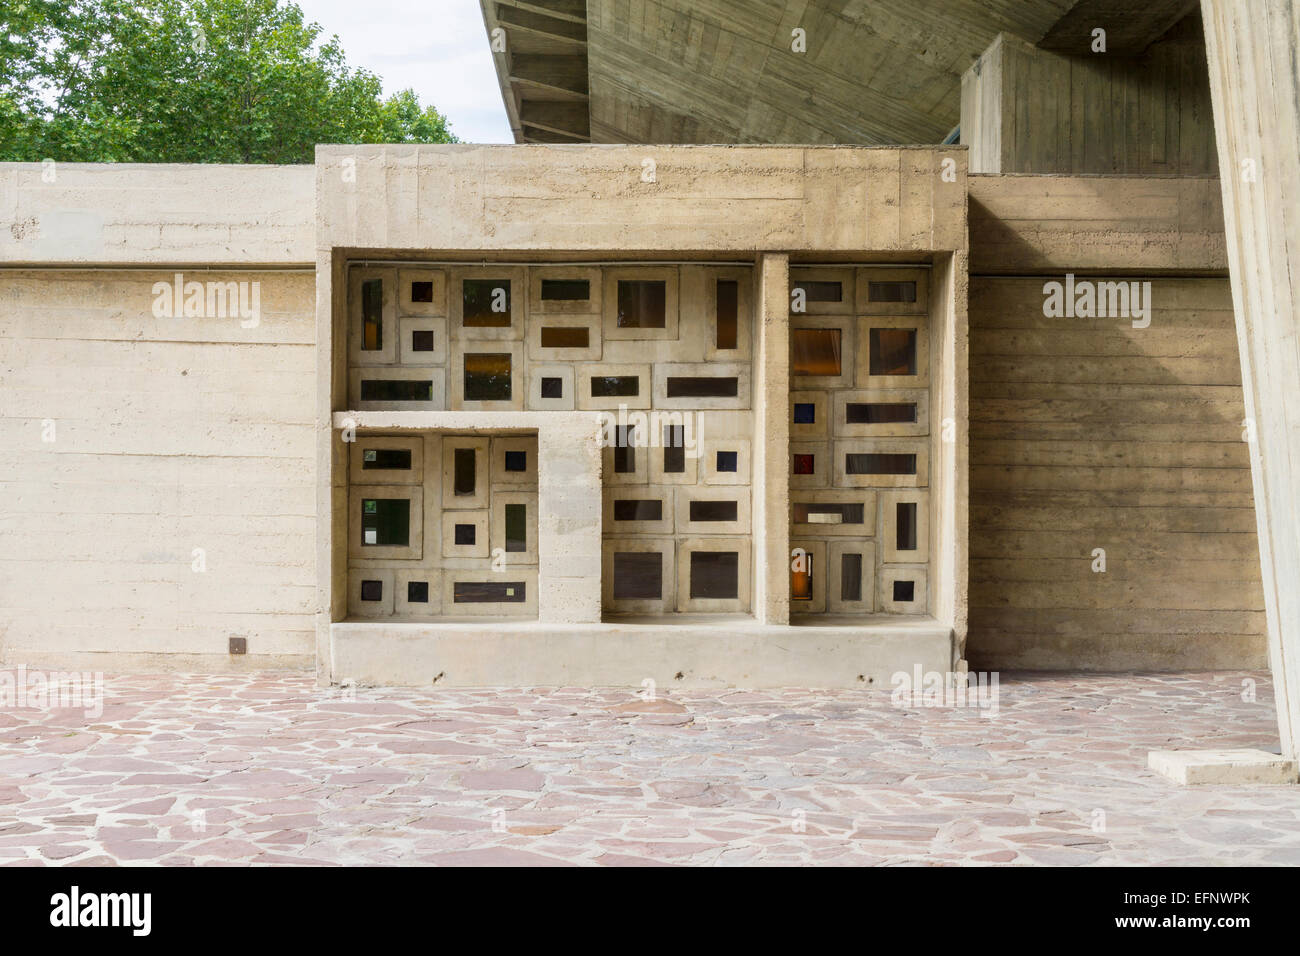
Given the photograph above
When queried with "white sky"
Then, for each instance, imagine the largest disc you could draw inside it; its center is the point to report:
(439, 48)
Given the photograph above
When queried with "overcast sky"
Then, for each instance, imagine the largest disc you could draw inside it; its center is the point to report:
(439, 48)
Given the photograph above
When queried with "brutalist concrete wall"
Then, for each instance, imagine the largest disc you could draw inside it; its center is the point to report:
(156, 438)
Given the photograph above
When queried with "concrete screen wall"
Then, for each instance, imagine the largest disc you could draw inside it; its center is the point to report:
(185, 441)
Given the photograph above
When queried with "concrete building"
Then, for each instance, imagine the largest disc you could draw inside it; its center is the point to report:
(574, 413)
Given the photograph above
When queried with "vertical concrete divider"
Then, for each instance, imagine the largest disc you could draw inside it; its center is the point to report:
(771, 508)
(569, 520)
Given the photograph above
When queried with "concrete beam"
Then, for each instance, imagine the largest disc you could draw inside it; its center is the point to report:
(1130, 27)
(559, 75)
(566, 119)
(1255, 84)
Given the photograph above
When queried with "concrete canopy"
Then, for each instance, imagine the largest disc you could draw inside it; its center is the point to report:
(885, 72)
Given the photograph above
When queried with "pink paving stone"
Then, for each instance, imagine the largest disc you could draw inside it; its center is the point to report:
(401, 776)
(502, 780)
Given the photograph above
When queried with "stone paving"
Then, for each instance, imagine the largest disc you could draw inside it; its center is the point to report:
(269, 769)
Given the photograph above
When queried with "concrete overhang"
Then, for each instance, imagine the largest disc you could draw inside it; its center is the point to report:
(679, 71)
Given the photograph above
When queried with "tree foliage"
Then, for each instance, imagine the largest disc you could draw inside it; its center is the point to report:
(187, 81)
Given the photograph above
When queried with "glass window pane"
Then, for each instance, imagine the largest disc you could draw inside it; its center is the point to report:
(715, 575)
(485, 303)
(893, 352)
(565, 290)
(464, 471)
(638, 575)
(905, 522)
(642, 304)
(385, 521)
(487, 377)
(850, 577)
(728, 296)
(815, 352)
(516, 527)
(891, 291)
(880, 464)
(565, 337)
(372, 315)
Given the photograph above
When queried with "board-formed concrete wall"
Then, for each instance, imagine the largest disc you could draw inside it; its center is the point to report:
(156, 471)
(1087, 433)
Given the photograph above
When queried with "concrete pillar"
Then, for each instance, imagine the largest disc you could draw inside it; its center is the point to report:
(771, 508)
(1255, 88)
(568, 520)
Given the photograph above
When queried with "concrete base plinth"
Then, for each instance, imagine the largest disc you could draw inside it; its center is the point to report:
(697, 652)
(1190, 767)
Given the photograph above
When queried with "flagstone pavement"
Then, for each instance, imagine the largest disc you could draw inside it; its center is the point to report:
(267, 768)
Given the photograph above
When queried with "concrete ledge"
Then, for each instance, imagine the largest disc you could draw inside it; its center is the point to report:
(1191, 767)
(698, 652)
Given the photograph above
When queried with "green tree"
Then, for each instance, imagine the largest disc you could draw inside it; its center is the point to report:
(187, 81)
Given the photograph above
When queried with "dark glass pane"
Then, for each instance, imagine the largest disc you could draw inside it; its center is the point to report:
(566, 290)
(715, 575)
(702, 386)
(803, 464)
(565, 337)
(372, 315)
(466, 534)
(904, 590)
(891, 291)
(638, 575)
(421, 291)
(850, 577)
(642, 304)
(815, 352)
(713, 510)
(396, 390)
(801, 580)
(631, 509)
(417, 592)
(880, 413)
(421, 340)
(808, 513)
(893, 351)
(880, 464)
(385, 521)
(516, 527)
(386, 459)
(805, 413)
(821, 291)
(464, 471)
(486, 303)
(487, 377)
(372, 590)
(488, 592)
(552, 387)
(728, 302)
(905, 522)
(516, 461)
(674, 449)
(615, 386)
(727, 461)
(624, 450)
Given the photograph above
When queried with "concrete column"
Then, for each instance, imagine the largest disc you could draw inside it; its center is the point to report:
(568, 520)
(771, 508)
(1255, 88)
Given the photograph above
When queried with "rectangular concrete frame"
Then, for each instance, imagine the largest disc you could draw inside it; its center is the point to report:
(446, 208)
